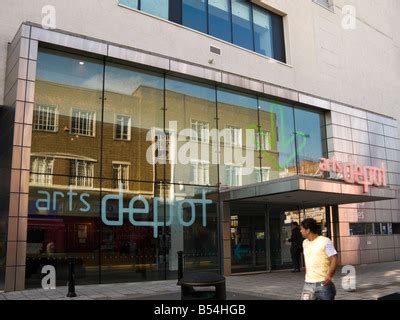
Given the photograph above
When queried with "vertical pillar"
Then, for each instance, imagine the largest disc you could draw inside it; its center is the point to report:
(328, 221)
(226, 238)
(19, 96)
(335, 228)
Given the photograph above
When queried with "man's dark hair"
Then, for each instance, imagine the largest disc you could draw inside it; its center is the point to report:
(310, 224)
(294, 223)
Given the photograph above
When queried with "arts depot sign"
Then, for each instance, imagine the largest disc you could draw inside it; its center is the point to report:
(354, 173)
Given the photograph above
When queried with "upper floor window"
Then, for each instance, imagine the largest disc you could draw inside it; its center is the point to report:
(159, 8)
(41, 170)
(163, 145)
(200, 131)
(263, 174)
(122, 127)
(45, 118)
(263, 138)
(237, 21)
(200, 172)
(82, 173)
(234, 136)
(121, 175)
(233, 175)
(324, 3)
(242, 32)
(194, 14)
(130, 3)
(83, 122)
(219, 19)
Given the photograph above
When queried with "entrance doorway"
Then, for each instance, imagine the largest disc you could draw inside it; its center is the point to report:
(259, 234)
(248, 238)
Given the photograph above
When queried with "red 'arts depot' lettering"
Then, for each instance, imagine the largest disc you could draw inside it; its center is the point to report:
(354, 173)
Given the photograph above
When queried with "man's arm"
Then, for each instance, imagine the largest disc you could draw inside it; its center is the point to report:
(333, 263)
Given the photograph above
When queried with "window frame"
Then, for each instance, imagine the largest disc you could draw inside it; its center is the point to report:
(37, 173)
(233, 133)
(195, 165)
(199, 138)
(238, 174)
(56, 117)
(175, 15)
(116, 115)
(93, 120)
(74, 178)
(125, 182)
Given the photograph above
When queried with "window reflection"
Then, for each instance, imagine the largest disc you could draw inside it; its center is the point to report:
(262, 32)
(130, 3)
(242, 31)
(238, 126)
(194, 14)
(309, 128)
(277, 139)
(191, 120)
(219, 19)
(160, 147)
(159, 8)
(133, 106)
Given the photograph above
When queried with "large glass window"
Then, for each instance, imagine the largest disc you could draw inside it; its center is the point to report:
(219, 19)
(242, 27)
(168, 144)
(130, 3)
(191, 226)
(63, 222)
(67, 116)
(238, 124)
(190, 119)
(309, 140)
(194, 14)
(262, 32)
(236, 21)
(134, 117)
(159, 8)
(277, 139)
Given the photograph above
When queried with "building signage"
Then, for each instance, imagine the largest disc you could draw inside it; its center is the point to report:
(356, 174)
(132, 212)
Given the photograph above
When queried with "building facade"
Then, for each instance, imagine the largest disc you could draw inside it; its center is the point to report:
(131, 130)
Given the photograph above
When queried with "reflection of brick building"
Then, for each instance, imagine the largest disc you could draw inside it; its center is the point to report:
(144, 111)
(309, 167)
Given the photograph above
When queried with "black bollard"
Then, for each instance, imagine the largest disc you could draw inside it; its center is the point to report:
(180, 265)
(71, 278)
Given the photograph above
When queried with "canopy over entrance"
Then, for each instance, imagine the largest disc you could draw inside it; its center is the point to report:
(307, 192)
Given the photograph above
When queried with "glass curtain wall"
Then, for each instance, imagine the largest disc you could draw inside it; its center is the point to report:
(127, 164)
(236, 21)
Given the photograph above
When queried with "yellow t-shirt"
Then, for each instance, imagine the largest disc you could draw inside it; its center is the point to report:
(316, 258)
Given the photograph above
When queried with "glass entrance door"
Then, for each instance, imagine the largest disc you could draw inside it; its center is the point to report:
(248, 238)
(280, 219)
(280, 231)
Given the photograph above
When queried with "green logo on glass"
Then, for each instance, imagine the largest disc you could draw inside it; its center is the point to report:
(285, 141)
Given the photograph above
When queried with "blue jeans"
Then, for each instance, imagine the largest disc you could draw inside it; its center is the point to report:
(320, 292)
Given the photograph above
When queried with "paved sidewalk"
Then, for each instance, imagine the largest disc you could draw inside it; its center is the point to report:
(373, 281)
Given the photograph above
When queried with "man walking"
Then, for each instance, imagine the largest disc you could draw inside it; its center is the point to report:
(296, 240)
(321, 262)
